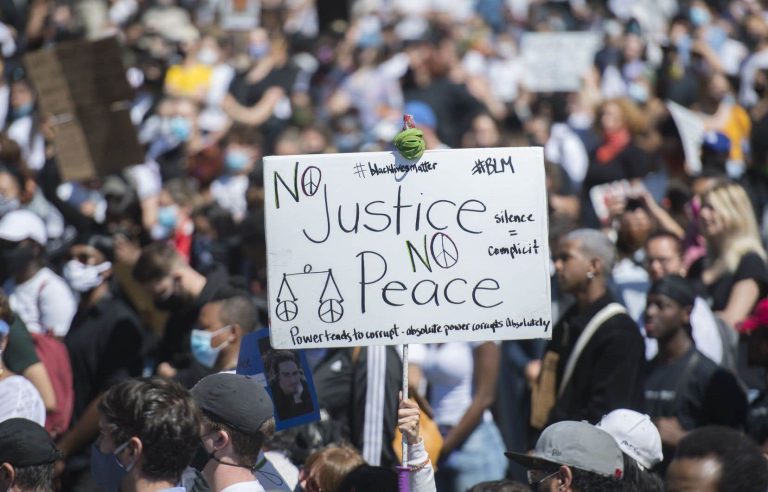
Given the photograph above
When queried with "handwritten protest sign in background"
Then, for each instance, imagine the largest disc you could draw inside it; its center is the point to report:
(557, 61)
(372, 249)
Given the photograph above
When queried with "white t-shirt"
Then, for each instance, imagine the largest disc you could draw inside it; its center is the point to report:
(449, 369)
(19, 398)
(278, 473)
(45, 303)
(229, 193)
(244, 487)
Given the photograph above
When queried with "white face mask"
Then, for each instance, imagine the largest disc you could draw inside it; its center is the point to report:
(82, 277)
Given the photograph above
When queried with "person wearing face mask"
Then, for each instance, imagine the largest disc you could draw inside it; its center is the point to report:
(149, 430)
(179, 289)
(41, 298)
(176, 201)
(241, 151)
(222, 324)
(238, 418)
(24, 127)
(104, 344)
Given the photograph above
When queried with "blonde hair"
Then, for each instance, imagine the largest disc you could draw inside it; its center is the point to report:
(740, 235)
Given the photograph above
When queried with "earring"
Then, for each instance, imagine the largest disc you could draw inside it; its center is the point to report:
(590, 275)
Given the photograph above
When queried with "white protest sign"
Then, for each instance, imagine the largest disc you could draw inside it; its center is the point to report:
(556, 62)
(240, 15)
(690, 126)
(372, 249)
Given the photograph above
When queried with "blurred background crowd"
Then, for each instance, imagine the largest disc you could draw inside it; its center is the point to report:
(159, 268)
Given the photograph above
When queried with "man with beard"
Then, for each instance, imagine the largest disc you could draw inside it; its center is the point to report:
(182, 291)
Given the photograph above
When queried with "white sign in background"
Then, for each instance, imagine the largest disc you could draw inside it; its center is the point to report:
(372, 249)
(557, 61)
(690, 126)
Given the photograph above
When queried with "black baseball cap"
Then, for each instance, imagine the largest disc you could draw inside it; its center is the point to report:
(26, 443)
(238, 401)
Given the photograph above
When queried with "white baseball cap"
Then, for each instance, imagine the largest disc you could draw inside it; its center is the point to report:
(22, 224)
(635, 434)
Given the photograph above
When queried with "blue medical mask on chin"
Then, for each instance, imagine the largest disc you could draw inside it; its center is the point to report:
(107, 471)
(699, 16)
(167, 216)
(200, 343)
(24, 110)
(236, 160)
(180, 128)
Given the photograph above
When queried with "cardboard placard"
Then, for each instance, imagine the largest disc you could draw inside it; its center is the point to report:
(372, 249)
(556, 61)
(83, 85)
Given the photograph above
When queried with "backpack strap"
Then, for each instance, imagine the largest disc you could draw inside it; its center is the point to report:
(596, 322)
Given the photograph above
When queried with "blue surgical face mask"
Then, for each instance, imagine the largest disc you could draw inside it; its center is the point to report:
(167, 216)
(236, 160)
(106, 469)
(258, 50)
(24, 110)
(181, 128)
(699, 16)
(637, 92)
(8, 205)
(200, 343)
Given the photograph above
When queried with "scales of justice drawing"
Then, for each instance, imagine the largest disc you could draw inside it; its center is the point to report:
(330, 308)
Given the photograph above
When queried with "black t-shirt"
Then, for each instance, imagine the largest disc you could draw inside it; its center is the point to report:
(695, 390)
(751, 266)
(453, 105)
(249, 93)
(757, 420)
(105, 347)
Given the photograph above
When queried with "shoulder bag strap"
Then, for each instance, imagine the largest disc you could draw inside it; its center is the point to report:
(597, 320)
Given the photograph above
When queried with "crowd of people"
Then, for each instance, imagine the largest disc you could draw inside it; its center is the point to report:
(125, 297)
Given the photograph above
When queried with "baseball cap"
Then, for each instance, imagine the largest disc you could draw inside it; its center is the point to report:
(716, 142)
(423, 114)
(25, 443)
(577, 444)
(635, 434)
(22, 224)
(236, 400)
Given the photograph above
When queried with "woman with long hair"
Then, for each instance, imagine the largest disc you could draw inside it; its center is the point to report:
(618, 156)
(733, 273)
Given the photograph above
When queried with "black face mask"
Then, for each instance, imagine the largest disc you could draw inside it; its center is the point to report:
(17, 259)
(201, 458)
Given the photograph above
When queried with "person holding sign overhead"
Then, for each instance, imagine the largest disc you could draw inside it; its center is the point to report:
(462, 378)
(596, 352)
